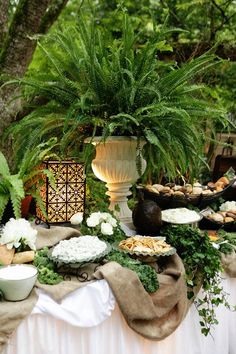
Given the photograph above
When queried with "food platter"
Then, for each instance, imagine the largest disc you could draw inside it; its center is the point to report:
(60, 254)
(180, 216)
(208, 221)
(175, 200)
(146, 248)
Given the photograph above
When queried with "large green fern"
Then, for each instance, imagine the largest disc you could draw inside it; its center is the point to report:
(98, 85)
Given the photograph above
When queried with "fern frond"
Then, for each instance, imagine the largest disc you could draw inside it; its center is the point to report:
(4, 168)
(4, 198)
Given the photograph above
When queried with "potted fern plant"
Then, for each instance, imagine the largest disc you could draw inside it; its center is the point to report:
(99, 86)
(17, 189)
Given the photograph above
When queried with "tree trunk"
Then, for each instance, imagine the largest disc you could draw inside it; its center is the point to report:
(4, 4)
(52, 14)
(30, 18)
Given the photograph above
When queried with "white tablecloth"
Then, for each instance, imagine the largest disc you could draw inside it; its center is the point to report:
(88, 321)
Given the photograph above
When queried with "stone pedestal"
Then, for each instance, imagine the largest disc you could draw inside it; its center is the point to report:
(116, 164)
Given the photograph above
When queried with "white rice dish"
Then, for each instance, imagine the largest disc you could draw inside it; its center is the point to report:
(180, 216)
(78, 249)
(17, 272)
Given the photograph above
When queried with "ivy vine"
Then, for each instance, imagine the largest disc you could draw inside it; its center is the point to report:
(202, 263)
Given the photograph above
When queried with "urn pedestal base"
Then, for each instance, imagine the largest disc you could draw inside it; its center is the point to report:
(116, 164)
(118, 193)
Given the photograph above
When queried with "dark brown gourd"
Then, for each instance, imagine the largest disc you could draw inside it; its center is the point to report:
(147, 217)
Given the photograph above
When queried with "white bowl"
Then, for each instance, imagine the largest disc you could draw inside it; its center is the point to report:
(17, 281)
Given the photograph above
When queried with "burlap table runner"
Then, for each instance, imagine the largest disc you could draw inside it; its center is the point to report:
(154, 316)
(50, 237)
(12, 313)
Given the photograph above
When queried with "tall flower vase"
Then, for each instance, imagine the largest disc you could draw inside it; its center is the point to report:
(116, 164)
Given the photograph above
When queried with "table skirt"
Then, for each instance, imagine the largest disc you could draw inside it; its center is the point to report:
(88, 321)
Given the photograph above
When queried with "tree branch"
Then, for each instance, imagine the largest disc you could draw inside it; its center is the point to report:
(52, 14)
(219, 8)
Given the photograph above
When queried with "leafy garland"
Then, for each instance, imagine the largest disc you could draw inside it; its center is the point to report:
(46, 268)
(147, 275)
(202, 264)
(226, 241)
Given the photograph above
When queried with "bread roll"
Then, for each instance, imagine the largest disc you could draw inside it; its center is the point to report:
(23, 257)
(179, 193)
(228, 219)
(6, 255)
(216, 217)
(158, 187)
(224, 180)
(197, 190)
(219, 188)
(219, 184)
(165, 190)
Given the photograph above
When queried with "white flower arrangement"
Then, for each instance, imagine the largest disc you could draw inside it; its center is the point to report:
(104, 221)
(18, 232)
(101, 222)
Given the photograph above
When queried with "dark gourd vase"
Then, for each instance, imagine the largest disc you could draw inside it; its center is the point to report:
(147, 217)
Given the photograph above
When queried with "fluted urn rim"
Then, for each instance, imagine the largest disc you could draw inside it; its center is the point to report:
(113, 138)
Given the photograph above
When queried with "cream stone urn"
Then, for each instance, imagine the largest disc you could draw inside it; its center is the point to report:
(116, 164)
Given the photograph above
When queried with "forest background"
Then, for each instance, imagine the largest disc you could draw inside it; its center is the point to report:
(201, 25)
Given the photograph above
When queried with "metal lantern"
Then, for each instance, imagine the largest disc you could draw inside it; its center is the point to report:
(69, 196)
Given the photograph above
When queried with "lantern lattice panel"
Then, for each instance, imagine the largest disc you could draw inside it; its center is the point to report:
(69, 196)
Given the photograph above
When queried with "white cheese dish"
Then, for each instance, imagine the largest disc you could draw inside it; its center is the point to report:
(79, 249)
(180, 216)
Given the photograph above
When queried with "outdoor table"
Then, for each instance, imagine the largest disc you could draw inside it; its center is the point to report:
(88, 321)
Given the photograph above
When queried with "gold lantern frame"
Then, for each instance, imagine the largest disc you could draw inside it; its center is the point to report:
(69, 196)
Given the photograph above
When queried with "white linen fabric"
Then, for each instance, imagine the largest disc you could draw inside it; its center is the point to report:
(85, 307)
(86, 323)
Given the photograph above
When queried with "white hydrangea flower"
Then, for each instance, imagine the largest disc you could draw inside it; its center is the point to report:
(98, 215)
(16, 231)
(109, 218)
(105, 216)
(94, 219)
(106, 228)
(77, 218)
(112, 221)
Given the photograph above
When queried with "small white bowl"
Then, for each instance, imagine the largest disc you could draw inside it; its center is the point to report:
(17, 281)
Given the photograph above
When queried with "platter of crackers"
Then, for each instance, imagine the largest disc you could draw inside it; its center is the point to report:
(146, 246)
